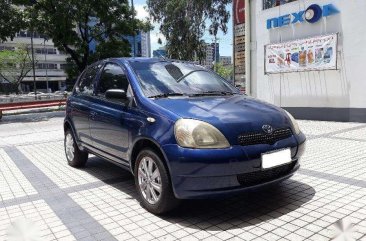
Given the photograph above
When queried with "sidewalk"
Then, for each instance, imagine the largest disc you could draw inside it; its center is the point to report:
(98, 202)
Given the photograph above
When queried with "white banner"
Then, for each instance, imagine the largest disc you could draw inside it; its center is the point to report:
(317, 53)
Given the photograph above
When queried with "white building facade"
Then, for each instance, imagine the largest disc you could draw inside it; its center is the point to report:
(50, 63)
(212, 54)
(145, 44)
(225, 60)
(336, 93)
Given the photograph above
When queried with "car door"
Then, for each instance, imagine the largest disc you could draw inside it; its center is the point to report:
(108, 120)
(81, 103)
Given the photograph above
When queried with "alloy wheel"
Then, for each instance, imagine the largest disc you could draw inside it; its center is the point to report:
(69, 147)
(149, 180)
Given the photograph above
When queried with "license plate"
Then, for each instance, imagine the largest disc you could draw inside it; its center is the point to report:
(276, 158)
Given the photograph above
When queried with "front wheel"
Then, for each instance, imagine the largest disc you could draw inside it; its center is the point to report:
(153, 183)
(75, 157)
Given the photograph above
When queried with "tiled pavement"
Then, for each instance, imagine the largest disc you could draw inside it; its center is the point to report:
(41, 196)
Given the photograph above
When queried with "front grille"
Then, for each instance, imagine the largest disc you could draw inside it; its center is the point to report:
(264, 138)
(262, 176)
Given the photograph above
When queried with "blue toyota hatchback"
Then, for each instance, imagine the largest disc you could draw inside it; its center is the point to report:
(183, 131)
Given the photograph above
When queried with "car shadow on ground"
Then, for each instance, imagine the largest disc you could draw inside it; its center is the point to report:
(229, 212)
(246, 209)
(107, 172)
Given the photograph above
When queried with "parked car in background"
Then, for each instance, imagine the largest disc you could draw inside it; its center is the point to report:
(182, 130)
(61, 93)
(38, 93)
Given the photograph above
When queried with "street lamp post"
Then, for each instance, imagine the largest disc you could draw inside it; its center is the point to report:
(215, 50)
(45, 60)
(215, 60)
(134, 35)
(33, 66)
(32, 2)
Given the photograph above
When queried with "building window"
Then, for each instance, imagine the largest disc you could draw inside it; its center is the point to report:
(64, 66)
(45, 51)
(6, 48)
(274, 3)
(28, 34)
(46, 66)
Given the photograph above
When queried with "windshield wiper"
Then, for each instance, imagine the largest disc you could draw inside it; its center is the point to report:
(189, 73)
(166, 95)
(207, 93)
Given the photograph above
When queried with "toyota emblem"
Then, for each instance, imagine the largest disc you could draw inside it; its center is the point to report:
(267, 129)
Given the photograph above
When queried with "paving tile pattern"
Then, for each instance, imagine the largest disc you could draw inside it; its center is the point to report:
(63, 175)
(13, 183)
(44, 222)
(98, 202)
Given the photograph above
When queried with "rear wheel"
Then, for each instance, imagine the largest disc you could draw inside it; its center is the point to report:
(75, 157)
(153, 183)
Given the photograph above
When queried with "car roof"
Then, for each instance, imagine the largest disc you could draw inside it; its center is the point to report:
(151, 60)
(129, 60)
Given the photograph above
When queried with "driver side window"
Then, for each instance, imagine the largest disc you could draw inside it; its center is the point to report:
(112, 77)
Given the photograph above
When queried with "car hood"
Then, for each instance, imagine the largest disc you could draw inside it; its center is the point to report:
(232, 115)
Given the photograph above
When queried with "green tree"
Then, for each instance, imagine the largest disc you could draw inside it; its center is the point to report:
(15, 65)
(184, 22)
(74, 24)
(224, 71)
(104, 49)
(11, 20)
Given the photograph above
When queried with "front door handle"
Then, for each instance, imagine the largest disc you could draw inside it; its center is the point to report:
(93, 115)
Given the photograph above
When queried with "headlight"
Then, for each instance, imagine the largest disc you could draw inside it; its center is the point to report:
(294, 123)
(198, 134)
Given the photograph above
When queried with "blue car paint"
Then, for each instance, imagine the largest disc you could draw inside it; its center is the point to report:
(195, 173)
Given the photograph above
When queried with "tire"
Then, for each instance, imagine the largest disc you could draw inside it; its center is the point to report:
(75, 157)
(166, 200)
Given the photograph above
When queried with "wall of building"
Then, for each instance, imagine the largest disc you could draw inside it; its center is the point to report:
(212, 54)
(160, 53)
(142, 44)
(325, 95)
(145, 44)
(225, 60)
(49, 67)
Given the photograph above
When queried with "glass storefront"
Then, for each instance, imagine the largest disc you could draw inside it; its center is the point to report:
(274, 3)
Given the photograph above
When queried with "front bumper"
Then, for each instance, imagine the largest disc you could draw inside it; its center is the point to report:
(198, 173)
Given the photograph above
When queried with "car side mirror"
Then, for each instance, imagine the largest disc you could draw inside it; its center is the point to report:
(116, 94)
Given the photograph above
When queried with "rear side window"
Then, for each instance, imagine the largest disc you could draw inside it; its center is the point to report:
(112, 77)
(86, 83)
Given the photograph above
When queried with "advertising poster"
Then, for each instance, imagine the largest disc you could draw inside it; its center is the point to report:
(239, 43)
(239, 9)
(316, 53)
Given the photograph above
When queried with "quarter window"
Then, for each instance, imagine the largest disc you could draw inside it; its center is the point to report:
(112, 77)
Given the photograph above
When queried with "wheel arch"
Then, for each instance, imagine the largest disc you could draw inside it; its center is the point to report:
(69, 126)
(143, 143)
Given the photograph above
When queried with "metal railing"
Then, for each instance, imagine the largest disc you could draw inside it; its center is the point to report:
(9, 103)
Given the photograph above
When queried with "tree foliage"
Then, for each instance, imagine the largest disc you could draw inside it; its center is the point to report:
(11, 20)
(184, 22)
(15, 64)
(224, 71)
(74, 25)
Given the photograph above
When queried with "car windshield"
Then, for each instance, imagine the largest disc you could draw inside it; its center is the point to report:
(163, 79)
